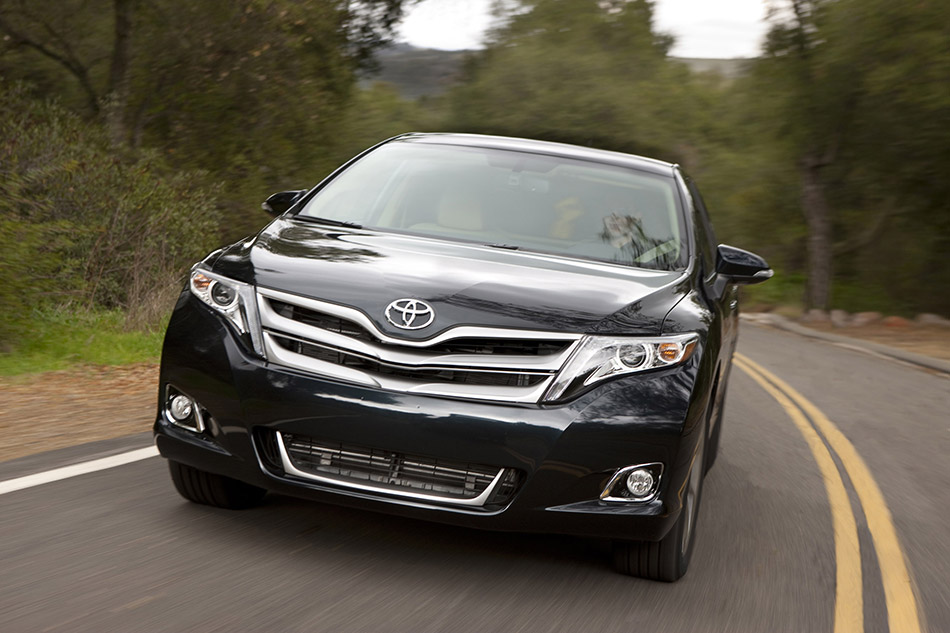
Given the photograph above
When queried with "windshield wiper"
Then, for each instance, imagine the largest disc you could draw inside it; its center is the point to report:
(328, 221)
(510, 247)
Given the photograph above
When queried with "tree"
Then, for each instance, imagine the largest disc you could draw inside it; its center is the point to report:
(580, 71)
(856, 94)
(813, 111)
(152, 45)
(253, 91)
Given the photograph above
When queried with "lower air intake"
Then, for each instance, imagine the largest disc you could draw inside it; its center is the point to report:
(415, 476)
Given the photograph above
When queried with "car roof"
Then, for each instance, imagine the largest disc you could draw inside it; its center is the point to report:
(549, 148)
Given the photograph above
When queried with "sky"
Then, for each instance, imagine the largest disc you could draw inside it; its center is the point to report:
(703, 28)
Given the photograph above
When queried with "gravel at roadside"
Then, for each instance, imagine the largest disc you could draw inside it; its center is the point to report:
(40, 412)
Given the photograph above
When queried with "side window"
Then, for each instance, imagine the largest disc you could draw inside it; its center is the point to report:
(704, 228)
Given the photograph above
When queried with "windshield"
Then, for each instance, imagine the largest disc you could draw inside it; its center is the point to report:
(511, 199)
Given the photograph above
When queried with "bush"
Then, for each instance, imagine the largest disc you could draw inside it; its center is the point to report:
(28, 266)
(84, 224)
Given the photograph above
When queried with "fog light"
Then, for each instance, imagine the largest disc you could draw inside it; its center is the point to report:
(180, 407)
(640, 482)
(637, 483)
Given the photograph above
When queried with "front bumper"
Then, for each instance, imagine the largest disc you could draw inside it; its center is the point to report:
(566, 454)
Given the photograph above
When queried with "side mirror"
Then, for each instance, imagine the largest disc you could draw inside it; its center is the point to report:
(741, 267)
(280, 202)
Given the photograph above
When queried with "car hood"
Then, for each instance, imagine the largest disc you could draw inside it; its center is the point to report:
(466, 284)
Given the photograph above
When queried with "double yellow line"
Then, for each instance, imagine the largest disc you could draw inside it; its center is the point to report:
(902, 614)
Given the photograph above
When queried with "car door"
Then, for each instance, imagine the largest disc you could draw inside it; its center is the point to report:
(722, 299)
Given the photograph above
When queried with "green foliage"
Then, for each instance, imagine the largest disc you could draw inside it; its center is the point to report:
(377, 113)
(28, 267)
(85, 226)
(862, 297)
(60, 337)
(751, 189)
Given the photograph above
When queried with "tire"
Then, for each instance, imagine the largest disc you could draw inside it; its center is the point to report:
(210, 489)
(668, 559)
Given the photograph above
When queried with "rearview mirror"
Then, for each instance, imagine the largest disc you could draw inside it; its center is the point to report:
(280, 202)
(738, 266)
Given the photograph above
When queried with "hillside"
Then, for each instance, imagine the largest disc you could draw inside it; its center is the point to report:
(418, 71)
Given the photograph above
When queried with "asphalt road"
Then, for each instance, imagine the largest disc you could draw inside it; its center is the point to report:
(118, 550)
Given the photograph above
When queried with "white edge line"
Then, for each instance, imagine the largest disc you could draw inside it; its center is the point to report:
(74, 470)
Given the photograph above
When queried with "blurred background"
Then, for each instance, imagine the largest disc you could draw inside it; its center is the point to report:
(137, 135)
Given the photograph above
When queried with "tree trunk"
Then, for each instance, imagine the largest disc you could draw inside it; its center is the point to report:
(119, 72)
(818, 220)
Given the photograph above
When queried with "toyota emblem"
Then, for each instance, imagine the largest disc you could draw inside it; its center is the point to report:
(410, 314)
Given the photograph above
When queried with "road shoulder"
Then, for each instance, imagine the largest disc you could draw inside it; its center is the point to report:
(913, 358)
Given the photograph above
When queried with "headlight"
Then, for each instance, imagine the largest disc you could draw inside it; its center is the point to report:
(232, 299)
(600, 357)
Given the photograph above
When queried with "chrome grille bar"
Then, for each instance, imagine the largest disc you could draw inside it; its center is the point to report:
(352, 359)
(382, 472)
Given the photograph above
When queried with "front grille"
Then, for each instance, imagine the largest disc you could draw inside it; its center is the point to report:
(457, 376)
(483, 363)
(500, 346)
(400, 472)
(492, 346)
(320, 320)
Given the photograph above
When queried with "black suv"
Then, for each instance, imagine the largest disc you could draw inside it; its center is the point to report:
(491, 332)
